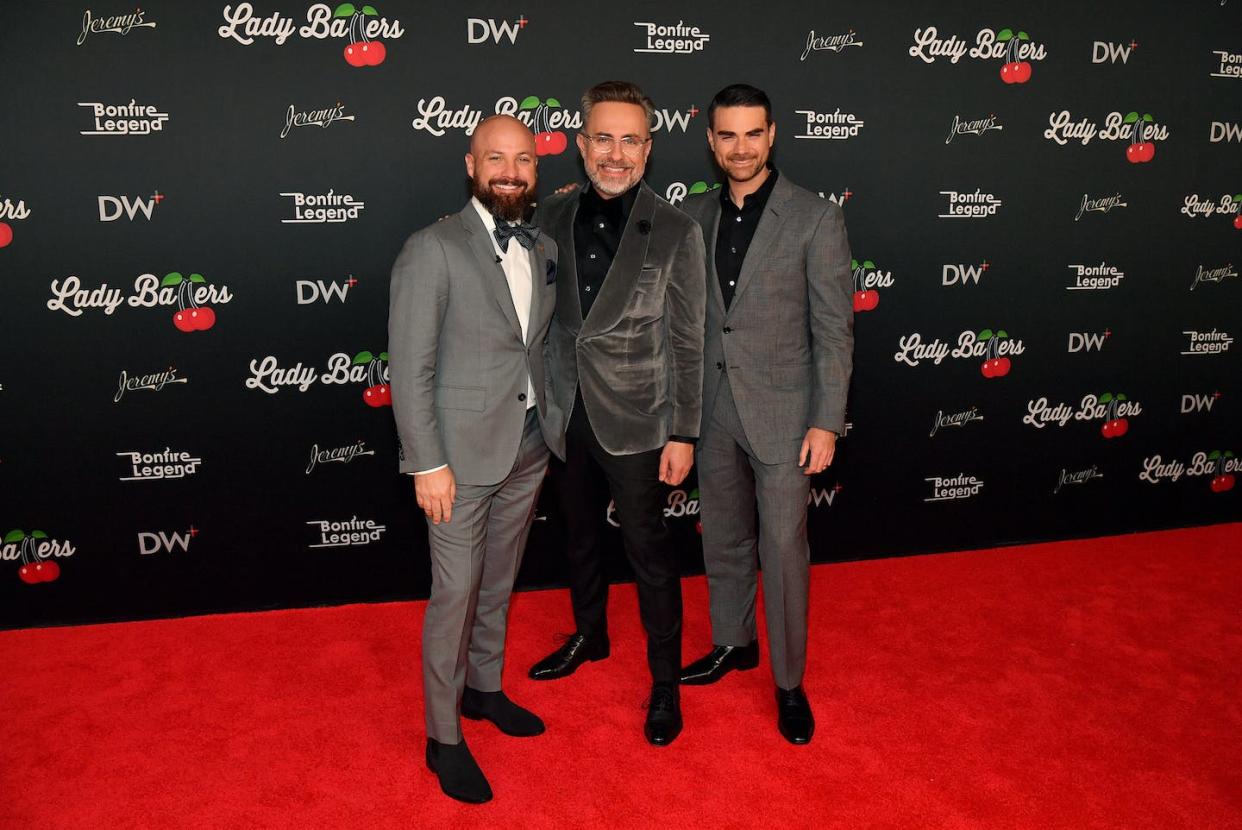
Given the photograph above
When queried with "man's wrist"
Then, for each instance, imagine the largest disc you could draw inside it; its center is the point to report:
(684, 439)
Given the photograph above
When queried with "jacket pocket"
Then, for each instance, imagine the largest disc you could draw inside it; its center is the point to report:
(472, 398)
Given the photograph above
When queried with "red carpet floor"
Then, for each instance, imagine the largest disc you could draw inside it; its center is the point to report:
(1074, 685)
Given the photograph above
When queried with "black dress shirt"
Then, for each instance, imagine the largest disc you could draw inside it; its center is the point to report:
(597, 235)
(737, 229)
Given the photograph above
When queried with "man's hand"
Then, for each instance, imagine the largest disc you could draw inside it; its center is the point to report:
(675, 462)
(818, 448)
(435, 493)
(567, 188)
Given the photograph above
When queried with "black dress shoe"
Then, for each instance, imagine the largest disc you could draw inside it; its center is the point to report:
(460, 777)
(563, 662)
(720, 661)
(793, 715)
(663, 714)
(496, 707)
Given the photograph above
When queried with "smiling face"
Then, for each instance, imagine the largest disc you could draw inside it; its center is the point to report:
(617, 170)
(741, 139)
(502, 167)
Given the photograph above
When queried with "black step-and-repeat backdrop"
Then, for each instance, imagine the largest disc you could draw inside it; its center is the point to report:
(200, 204)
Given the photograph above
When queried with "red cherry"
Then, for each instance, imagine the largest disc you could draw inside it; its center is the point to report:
(543, 143)
(873, 300)
(28, 575)
(698, 526)
(1022, 73)
(1123, 426)
(385, 392)
(559, 142)
(1008, 73)
(1218, 484)
(1108, 429)
(1228, 482)
(1002, 366)
(181, 320)
(988, 369)
(1148, 151)
(1237, 221)
(353, 55)
(859, 300)
(50, 570)
(371, 396)
(1134, 154)
(6, 234)
(206, 317)
(375, 52)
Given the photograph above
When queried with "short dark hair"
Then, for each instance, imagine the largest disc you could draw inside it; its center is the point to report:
(622, 92)
(740, 95)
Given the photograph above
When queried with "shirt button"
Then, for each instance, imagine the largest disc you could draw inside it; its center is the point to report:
(592, 256)
(733, 250)
(601, 224)
(588, 288)
(730, 282)
(727, 330)
(739, 219)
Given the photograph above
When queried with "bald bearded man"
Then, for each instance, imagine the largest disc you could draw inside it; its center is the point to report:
(467, 379)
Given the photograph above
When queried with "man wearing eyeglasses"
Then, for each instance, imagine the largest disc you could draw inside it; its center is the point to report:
(625, 360)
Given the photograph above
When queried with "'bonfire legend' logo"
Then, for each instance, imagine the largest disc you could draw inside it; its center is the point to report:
(35, 551)
(124, 119)
(835, 125)
(953, 488)
(150, 466)
(1095, 277)
(977, 205)
(326, 208)
(678, 39)
(1207, 342)
(352, 533)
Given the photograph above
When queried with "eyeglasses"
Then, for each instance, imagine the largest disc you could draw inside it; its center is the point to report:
(603, 143)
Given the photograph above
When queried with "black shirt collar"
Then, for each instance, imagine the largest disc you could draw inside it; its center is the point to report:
(616, 210)
(756, 200)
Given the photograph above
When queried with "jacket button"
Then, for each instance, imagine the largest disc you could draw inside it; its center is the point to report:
(727, 330)
(521, 396)
(719, 365)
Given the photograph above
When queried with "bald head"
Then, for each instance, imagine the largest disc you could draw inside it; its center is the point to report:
(501, 165)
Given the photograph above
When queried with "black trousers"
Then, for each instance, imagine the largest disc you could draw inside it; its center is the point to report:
(639, 497)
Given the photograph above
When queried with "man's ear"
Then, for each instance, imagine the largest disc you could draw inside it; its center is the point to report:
(470, 165)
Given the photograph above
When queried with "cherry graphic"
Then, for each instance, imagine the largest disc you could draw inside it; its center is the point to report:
(378, 392)
(1140, 151)
(6, 234)
(1013, 71)
(1114, 426)
(33, 570)
(361, 51)
(1237, 221)
(195, 317)
(698, 527)
(1222, 482)
(864, 299)
(548, 142)
(994, 366)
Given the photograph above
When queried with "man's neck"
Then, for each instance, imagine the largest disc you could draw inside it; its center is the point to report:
(738, 191)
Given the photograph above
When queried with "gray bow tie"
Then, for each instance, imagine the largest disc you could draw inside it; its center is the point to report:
(524, 232)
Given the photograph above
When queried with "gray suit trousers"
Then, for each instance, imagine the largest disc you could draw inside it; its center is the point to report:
(732, 483)
(474, 560)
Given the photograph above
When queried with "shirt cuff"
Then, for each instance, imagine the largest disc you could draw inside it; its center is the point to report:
(432, 470)
(683, 439)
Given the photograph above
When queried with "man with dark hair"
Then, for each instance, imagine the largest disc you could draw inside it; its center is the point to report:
(778, 357)
(468, 397)
(625, 355)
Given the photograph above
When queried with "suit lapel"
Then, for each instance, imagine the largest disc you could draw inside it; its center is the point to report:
(711, 226)
(561, 227)
(623, 273)
(765, 235)
(538, 286)
(493, 273)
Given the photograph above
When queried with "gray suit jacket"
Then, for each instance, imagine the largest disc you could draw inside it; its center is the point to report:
(457, 361)
(638, 355)
(787, 339)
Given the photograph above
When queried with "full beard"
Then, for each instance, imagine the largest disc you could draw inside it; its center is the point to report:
(504, 206)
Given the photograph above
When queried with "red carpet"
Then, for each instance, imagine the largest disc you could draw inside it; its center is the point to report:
(1074, 685)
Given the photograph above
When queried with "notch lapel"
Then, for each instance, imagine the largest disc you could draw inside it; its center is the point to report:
(713, 231)
(765, 235)
(493, 273)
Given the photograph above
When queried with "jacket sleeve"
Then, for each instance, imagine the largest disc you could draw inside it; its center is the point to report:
(830, 298)
(418, 300)
(685, 306)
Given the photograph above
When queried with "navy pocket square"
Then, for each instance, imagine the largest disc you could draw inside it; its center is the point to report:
(551, 272)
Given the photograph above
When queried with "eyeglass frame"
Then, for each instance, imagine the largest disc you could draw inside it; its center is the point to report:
(632, 148)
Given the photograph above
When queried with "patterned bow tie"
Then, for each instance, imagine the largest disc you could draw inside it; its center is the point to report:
(524, 232)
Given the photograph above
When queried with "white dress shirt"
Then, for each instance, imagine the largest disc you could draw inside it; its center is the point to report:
(516, 264)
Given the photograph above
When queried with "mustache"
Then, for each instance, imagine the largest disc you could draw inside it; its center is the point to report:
(506, 182)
